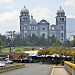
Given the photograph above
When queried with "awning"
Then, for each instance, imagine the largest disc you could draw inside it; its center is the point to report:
(33, 55)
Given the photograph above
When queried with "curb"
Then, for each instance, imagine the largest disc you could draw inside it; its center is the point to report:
(12, 67)
(52, 70)
(56, 67)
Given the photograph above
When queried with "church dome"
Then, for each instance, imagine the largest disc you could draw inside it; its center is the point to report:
(24, 10)
(43, 21)
(60, 11)
(32, 21)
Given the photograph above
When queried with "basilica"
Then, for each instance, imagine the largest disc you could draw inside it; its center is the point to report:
(29, 26)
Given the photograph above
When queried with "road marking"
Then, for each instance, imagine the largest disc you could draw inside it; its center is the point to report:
(52, 71)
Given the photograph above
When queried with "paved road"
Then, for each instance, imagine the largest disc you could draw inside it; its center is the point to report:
(32, 69)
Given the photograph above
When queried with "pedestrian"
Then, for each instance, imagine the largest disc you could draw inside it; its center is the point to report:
(21, 60)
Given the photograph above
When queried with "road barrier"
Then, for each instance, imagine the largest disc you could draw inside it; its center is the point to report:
(12, 67)
(70, 67)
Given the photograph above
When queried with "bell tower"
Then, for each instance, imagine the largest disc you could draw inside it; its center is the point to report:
(24, 21)
(61, 25)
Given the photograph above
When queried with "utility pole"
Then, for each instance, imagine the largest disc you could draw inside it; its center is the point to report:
(69, 44)
(11, 35)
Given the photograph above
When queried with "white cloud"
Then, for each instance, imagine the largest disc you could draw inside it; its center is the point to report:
(7, 3)
(40, 13)
(70, 16)
(70, 6)
(9, 18)
(70, 3)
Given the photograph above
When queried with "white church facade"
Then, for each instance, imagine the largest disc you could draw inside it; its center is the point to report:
(29, 26)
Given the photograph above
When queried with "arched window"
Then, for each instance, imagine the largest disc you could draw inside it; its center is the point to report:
(61, 39)
(33, 27)
(43, 34)
(25, 27)
(61, 34)
(62, 19)
(43, 28)
(61, 27)
(53, 28)
(56, 20)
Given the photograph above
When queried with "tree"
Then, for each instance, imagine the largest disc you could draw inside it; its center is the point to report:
(53, 39)
(1, 49)
(67, 43)
(49, 43)
(73, 42)
(17, 41)
(1, 43)
(3, 40)
(42, 41)
(34, 39)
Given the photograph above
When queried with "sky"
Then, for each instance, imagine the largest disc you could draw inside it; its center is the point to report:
(47, 9)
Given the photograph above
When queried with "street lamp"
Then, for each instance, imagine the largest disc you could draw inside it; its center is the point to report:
(11, 35)
(10, 47)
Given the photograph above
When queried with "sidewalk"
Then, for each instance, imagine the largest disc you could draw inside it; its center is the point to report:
(60, 70)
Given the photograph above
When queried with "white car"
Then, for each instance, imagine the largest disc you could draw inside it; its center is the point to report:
(2, 64)
(40, 48)
(9, 62)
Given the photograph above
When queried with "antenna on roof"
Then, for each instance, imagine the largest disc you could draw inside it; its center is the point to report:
(60, 7)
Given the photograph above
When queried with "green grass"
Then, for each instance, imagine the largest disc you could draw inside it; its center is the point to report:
(20, 49)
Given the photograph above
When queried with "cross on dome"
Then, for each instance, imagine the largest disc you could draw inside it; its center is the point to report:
(24, 6)
(60, 7)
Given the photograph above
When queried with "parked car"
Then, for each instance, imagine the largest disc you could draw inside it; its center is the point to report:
(40, 48)
(2, 64)
(9, 62)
